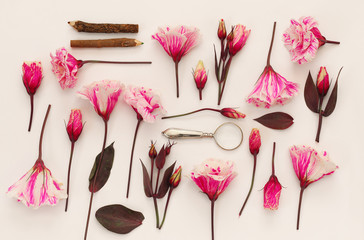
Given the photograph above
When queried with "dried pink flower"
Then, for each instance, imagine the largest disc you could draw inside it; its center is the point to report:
(232, 113)
(254, 141)
(74, 126)
(221, 31)
(175, 178)
(103, 95)
(323, 82)
(200, 77)
(239, 36)
(272, 193)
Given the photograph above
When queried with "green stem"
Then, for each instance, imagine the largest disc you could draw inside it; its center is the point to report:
(251, 186)
(165, 209)
(69, 175)
(156, 211)
(185, 114)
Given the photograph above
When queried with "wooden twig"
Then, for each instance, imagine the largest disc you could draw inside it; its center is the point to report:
(99, 43)
(104, 27)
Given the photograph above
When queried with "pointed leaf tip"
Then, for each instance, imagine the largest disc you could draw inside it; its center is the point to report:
(331, 103)
(276, 120)
(164, 186)
(146, 182)
(161, 158)
(311, 94)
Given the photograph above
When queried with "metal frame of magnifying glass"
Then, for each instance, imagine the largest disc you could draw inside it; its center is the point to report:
(241, 140)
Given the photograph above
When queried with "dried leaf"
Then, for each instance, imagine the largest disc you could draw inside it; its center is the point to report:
(276, 120)
(311, 94)
(118, 218)
(161, 158)
(164, 186)
(105, 168)
(146, 182)
(331, 104)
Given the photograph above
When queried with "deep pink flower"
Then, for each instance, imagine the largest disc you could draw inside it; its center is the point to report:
(37, 187)
(232, 113)
(239, 36)
(65, 67)
(145, 102)
(271, 88)
(221, 31)
(323, 82)
(200, 77)
(213, 177)
(32, 76)
(272, 193)
(103, 95)
(254, 141)
(74, 126)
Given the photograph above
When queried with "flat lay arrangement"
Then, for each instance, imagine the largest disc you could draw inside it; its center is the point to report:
(163, 138)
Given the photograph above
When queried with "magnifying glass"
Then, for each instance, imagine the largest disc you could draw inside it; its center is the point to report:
(227, 136)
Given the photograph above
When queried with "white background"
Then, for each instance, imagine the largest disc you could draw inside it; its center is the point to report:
(332, 208)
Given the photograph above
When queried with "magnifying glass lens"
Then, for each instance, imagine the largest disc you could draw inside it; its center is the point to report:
(228, 136)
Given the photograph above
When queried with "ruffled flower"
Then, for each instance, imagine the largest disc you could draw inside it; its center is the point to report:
(32, 76)
(65, 67)
(37, 187)
(145, 102)
(213, 177)
(272, 193)
(103, 95)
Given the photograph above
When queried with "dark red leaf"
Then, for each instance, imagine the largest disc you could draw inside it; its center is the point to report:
(118, 218)
(331, 104)
(311, 94)
(276, 120)
(105, 168)
(161, 158)
(216, 65)
(164, 186)
(146, 182)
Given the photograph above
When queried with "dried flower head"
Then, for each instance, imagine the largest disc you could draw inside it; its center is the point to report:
(175, 179)
(32, 76)
(323, 82)
(239, 36)
(254, 141)
(232, 113)
(74, 126)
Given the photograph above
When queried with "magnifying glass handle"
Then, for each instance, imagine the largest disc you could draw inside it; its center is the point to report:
(174, 133)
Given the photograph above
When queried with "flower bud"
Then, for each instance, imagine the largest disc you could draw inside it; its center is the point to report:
(32, 76)
(322, 83)
(168, 148)
(175, 178)
(239, 34)
(74, 126)
(272, 193)
(254, 141)
(221, 31)
(232, 113)
(200, 75)
(152, 151)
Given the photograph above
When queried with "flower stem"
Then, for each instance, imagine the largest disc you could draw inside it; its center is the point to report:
(200, 93)
(299, 208)
(185, 114)
(113, 62)
(151, 172)
(320, 120)
(176, 70)
(156, 211)
(212, 219)
(94, 180)
(274, 151)
(156, 183)
(132, 154)
(31, 111)
(224, 77)
(165, 209)
(69, 175)
(332, 42)
(271, 44)
(251, 186)
(42, 132)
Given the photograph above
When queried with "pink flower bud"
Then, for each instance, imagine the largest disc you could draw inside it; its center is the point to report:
(168, 148)
(232, 113)
(240, 35)
(152, 151)
(221, 31)
(254, 141)
(323, 83)
(200, 76)
(74, 126)
(32, 76)
(272, 193)
(175, 179)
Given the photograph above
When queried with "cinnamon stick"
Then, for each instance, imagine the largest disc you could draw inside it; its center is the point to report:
(81, 26)
(99, 43)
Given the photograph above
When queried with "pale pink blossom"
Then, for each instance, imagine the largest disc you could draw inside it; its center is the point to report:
(37, 187)
(32, 76)
(272, 193)
(310, 165)
(65, 67)
(145, 102)
(239, 36)
(103, 95)
(74, 126)
(213, 177)
(272, 88)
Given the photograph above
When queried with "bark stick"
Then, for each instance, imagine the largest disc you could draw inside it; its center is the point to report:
(99, 43)
(81, 26)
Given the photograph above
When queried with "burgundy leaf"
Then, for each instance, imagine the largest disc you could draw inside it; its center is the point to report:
(216, 65)
(311, 94)
(331, 104)
(161, 158)
(164, 186)
(118, 218)
(276, 120)
(105, 168)
(146, 182)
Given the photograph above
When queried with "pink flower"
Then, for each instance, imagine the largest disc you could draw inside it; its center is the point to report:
(221, 31)
(323, 82)
(37, 187)
(32, 76)
(146, 103)
(272, 193)
(232, 113)
(254, 141)
(74, 126)
(65, 67)
(309, 165)
(213, 177)
(103, 95)
(200, 77)
(271, 88)
(239, 36)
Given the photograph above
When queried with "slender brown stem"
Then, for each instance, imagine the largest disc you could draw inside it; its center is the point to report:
(176, 70)
(200, 93)
(332, 42)
(94, 180)
(166, 207)
(251, 185)
(31, 111)
(299, 208)
(69, 175)
(42, 132)
(274, 151)
(320, 120)
(271, 44)
(151, 172)
(115, 62)
(185, 114)
(224, 77)
(132, 154)
(212, 219)
(156, 211)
